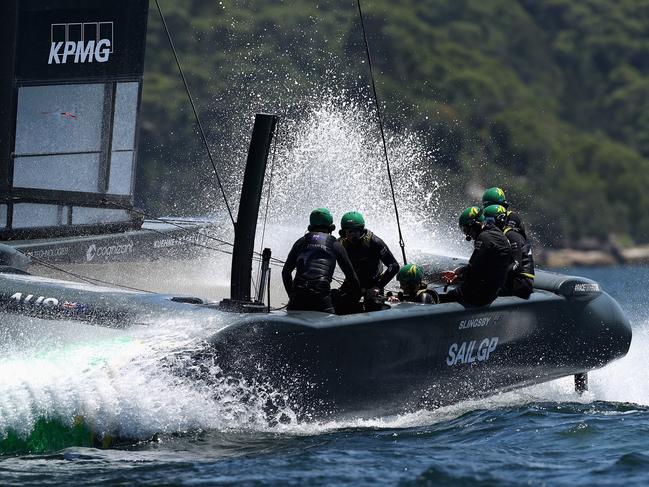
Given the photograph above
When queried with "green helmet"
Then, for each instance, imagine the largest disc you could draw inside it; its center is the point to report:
(470, 215)
(497, 214)
(352, 219)
(321, 217)
(494, 196)
(410, 275)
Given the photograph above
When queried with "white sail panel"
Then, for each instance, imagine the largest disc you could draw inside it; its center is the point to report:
(82, 215)
(59, 119)
(121, 173)
(33, 215)
(69, 172)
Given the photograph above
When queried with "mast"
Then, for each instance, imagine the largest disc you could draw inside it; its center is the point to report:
(246, 224)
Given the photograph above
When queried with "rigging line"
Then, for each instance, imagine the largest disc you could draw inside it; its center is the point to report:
(161, 220)
(89, 280)
(275, 260)
(167, 235)
(196, 244)
(385, 147)
(198, 120)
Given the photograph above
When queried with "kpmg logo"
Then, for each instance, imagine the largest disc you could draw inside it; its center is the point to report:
(81, 42)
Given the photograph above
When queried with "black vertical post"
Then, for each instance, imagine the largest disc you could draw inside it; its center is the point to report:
(8, 20)
(581, 383)
(253, 181)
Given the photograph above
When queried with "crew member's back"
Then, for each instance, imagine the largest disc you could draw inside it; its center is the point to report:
(483, 277)
(314, 257)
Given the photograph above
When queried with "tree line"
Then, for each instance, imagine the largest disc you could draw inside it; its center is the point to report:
(548, 99)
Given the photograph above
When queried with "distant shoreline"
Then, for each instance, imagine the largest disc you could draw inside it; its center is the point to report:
(568, 257)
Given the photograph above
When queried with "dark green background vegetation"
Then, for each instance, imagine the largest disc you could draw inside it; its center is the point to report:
(548, 99)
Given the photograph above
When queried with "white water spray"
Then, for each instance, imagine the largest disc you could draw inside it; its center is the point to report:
(333, 157)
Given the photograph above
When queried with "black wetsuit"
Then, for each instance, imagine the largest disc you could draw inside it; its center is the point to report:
(486, 272)
(421, 295)
(315, 256)
(368, 255)
(520, 280)
(514, 221)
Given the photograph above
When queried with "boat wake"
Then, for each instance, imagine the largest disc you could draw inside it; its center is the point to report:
(153, 383)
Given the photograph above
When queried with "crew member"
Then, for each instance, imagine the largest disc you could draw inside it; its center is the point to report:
(412, 286)
(368, 254)
(496, 196)
(520, 280)
(315, 256)
(480, 280)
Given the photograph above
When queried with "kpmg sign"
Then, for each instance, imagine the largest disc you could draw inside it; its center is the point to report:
(81, 42)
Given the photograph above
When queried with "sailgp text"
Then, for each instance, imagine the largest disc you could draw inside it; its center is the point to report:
(467, 352)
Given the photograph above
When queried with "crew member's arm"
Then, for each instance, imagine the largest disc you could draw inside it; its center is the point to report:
(464, 272)
(515, 242)
(461, 271)
(456, 275)
(478, 258)
(390, 263)
(346, 266)
(289, 266)
(425, 298)
(514, 221)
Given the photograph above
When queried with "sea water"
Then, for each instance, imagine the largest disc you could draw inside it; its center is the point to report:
(86, 405)
(183, 433)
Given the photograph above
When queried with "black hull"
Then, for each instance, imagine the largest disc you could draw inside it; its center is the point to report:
(155, 239)
(422, 356)
(386, 362)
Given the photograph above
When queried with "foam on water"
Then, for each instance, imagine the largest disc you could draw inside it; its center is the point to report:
(122, 384)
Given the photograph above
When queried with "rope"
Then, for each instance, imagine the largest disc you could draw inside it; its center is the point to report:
(89, 280)
(274, 261)
(198, 120)
(385, 147)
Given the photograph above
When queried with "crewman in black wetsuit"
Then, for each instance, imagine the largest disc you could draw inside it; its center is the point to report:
(484, 276)
(496, 196)
(413, 288)
(368, 254)
(520, 279)
(315, 256)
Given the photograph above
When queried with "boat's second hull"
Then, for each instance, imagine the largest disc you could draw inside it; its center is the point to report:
(418, 356)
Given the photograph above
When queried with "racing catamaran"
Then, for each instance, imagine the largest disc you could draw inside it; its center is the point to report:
(405, 358)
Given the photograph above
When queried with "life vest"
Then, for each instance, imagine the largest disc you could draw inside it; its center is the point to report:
(513, 220)
(315, 263)
(365, 256)
(526, 268)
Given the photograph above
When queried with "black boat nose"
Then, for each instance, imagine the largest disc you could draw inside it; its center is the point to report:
(605, 330)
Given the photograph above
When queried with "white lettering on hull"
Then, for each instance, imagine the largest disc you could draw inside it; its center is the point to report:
(468, 352)
(474, 323)
(39, 301)
(108, 250)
